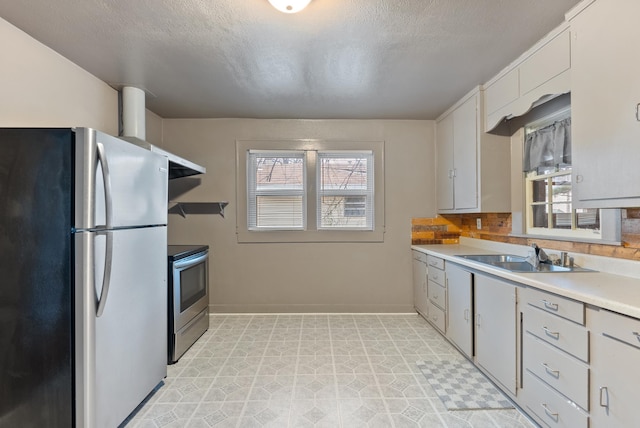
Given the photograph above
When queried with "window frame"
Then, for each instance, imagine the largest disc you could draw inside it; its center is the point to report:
(368, 193)
(275, 192)
(311, 233)
(571, 233)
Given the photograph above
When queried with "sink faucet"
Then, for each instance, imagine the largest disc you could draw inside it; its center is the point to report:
(537, 256)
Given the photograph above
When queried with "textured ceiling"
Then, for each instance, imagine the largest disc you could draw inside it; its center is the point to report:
(395, 59)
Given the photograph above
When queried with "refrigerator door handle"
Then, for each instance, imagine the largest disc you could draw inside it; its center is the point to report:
(106, 280)
(108, 198)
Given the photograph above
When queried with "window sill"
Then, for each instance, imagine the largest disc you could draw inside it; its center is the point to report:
(295, 236)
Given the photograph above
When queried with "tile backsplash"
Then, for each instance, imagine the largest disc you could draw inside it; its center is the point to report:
(447, 229)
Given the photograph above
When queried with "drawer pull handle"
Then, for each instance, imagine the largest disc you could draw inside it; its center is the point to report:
(637, 335)
(604, 391)
(478, 320)
(466, 315)
(549, 413)
(552, 334)
(549, 305)
(549, 370)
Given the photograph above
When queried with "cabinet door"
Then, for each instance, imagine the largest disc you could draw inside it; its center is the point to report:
(420, 285)
(459, 311)
(495, 329)
(614, 383)
(444, 163)
(604, 101)
(465, 156)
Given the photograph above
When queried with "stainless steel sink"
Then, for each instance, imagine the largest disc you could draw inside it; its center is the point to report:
(495, 258)
(518, 264)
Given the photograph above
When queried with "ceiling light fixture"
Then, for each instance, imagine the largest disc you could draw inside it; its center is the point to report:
(289, 6)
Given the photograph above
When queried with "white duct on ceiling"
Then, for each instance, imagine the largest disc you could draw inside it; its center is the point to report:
(134, 131)
(133, 113)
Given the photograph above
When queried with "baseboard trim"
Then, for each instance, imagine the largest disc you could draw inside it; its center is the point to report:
(310, 309)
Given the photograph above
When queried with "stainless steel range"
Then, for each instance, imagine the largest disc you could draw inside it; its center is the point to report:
(188, 280)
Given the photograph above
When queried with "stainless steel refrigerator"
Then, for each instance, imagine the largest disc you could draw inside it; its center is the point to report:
(83, 292)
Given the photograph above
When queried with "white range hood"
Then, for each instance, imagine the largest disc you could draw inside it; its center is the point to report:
(134, 131)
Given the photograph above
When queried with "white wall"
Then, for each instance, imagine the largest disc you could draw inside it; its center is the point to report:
(40, 88)
(310, 277)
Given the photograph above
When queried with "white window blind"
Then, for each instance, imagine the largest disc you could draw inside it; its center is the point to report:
(276, 190)
(345, 195)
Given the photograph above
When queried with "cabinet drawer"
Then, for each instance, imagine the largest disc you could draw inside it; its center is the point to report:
(554, 304)
(620, 327)
(435, 262)
(570, 337)
(437, 294)
(419, 256)
(436, 317)
(564, 373)
(550, 407)
(437, 276)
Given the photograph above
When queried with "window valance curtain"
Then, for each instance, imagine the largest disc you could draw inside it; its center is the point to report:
(548, 146)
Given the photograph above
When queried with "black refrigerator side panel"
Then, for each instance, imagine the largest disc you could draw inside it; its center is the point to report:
(36, 300)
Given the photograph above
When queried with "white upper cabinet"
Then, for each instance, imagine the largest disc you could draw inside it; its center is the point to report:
(470, 164)
(543, 71)
(444, 163)
(605, 100)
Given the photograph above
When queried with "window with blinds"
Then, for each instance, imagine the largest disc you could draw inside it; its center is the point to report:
(276, 190)
(345, 196)
(310, 191)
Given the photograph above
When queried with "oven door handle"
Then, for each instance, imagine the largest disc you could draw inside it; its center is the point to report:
(190, 261)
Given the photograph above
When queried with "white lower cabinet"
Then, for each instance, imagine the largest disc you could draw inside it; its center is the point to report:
(437, 317)
(615, 373)
(437, 293)
(566, 364)
(420, 282)
(551, 408)
(495, 329)
(555, 357)
(460, 308)
(554, 367)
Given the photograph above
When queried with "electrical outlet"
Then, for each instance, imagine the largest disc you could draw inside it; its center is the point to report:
(478, 223)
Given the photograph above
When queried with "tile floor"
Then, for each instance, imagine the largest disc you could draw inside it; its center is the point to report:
(311, 370)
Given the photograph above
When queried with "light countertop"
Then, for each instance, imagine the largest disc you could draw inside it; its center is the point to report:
(606, 290)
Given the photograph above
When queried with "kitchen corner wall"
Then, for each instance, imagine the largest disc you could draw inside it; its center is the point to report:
(307, 277)
(447, 229)
(40, 88)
